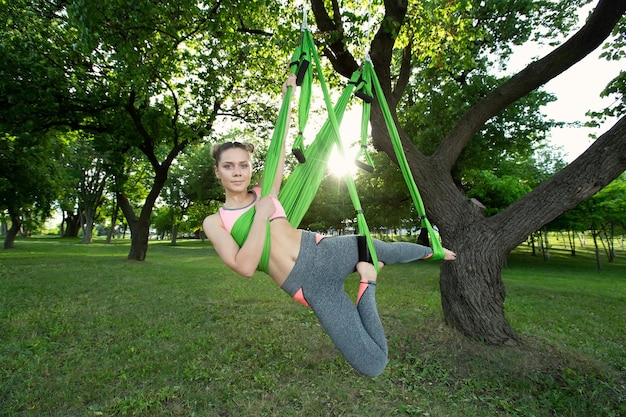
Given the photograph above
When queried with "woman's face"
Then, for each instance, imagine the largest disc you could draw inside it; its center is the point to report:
(234, 169)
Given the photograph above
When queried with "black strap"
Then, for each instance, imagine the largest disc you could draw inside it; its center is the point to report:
(364, 253)
(297, 152)
(363, 96)
(302, 72)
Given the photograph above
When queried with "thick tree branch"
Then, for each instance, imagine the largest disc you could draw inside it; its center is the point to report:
(600, 164)
(243, 28)
(384, 40)
(127, 209)
(341, 59)
(403, 77)
(147, 145)
(599, 26)
(176, 115)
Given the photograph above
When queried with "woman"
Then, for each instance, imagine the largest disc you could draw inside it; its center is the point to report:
(310, 268)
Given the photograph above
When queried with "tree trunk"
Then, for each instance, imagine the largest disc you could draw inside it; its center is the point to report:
(139, 229)
(571, 237)
(88, 215)
(140, 226)
(607, 231)
(594, 233)
(174, 236)
(113, 222)
(16, 224)
(546, 245)
(139, 241)
(472, 297)
(72, 222)
(472, 291)
(62, 228)
(540, 241)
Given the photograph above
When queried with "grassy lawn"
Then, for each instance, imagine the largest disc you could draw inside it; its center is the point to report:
(85, 332)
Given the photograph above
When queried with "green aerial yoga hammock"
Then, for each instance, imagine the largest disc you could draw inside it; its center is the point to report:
(299, 191)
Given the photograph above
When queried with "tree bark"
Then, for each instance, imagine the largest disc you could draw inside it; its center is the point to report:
(472, 291)
(546, 244)
(91, 190)
(88, 216)
(138, 229)
(174, 236)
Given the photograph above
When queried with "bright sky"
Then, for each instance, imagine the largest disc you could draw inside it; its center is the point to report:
(577, 91)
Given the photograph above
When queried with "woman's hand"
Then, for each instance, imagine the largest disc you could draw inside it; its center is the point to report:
(265, 207)
(449, 255)
(290, 82)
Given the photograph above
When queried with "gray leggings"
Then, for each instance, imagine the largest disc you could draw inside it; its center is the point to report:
(320, 272)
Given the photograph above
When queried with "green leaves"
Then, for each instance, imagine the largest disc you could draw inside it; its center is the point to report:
(28, 172)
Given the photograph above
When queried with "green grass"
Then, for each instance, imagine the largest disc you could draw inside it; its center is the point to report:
(85, 332)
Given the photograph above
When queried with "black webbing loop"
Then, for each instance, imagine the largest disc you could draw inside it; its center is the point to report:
(304, 65)
(297, 152)
(364, 252)
(363, 166)
(365, 97)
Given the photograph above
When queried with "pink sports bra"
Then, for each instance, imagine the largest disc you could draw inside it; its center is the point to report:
(230, 216)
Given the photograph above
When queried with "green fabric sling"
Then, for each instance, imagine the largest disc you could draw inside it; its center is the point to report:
(369, 74)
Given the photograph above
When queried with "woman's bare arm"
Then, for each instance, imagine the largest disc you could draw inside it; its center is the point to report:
(244, 260)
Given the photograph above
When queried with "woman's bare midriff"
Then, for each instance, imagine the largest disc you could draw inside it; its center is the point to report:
(284, 249)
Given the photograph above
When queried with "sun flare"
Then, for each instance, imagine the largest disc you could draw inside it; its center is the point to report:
(342, 166)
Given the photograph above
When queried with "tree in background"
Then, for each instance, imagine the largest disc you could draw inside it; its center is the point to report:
(602, 216)
(174, 68)
(385, 197)
(28, 180)
(191, 182)
(29, 150)
(154, 76)
(86, 179)
(331, 211)
(611, 202)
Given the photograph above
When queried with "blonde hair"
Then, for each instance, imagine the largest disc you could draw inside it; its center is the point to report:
(218, 149)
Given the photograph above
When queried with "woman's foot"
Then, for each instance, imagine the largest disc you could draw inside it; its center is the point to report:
(367, 271)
